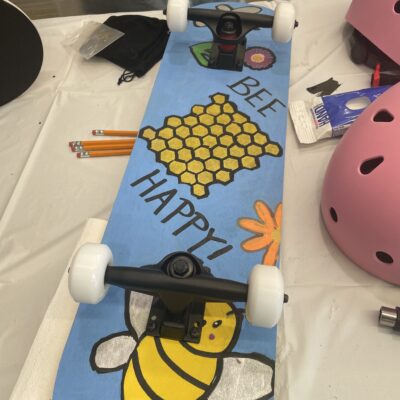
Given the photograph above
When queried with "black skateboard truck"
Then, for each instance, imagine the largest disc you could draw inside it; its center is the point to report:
(180, 285)
(229, 29)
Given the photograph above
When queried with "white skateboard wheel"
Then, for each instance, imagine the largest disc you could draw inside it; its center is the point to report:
(177, 13)
(265, 296)
(284, 20)
(87, 271)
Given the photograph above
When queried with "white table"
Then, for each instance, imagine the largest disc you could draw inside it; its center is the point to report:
(330, 346)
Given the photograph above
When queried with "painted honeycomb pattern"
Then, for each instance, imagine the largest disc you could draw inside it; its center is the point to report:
(209, 145)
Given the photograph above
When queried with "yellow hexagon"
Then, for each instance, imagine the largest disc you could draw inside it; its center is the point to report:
(217, 130)
(198, 110)
(244, 139)
(177, 167)
(231, 164)
(192, 142)
(240, 118)
(190, 120)
(174, 121)
(259, 138)
(183, 131)
(167, 156)
(254, 150)
(149, 133)
(188, 177)
(195, 166)
(249, 127)
(224, 119)
(175, 143)
(213, 165)
(236, 151)
(227, 107)
(220, 152)
(273, 149)
(185, 154)
(157, 144)
(166, 133)
(209, 141)
(249, 162)
(226, 140)
(200, 130)
(205, 177)
(199, 190)
(213, 109)
(202, 152)
(219, 98)
(223, 176)
(234, 129)
(206, 119)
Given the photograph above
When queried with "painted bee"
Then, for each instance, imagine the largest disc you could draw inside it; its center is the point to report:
(245, 9)
(158, 368)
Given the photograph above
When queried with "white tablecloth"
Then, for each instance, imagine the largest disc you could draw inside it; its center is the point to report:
(330, 346)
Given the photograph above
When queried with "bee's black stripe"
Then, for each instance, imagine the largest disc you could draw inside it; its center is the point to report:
(140, 378)
(177, 369)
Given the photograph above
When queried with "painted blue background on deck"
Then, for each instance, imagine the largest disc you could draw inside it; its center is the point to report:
(137, 237)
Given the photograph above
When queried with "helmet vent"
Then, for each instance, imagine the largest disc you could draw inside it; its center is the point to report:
(383, 116)
(397, 7)
(333, 213)
(369, 165)
(384, 257)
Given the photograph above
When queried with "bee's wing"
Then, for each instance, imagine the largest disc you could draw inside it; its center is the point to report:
(112, 352)
(221, 7)
(139, 306)
(249, 9)
(244, 377)
(224, 7)
(227, 8)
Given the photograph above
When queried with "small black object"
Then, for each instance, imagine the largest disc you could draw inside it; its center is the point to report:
(325, 88)
(140, 48)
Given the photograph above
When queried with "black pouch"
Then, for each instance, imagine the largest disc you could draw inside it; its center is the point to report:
(141, 47)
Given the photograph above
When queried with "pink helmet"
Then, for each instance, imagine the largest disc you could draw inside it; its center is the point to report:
(379, 21)
(361, 193)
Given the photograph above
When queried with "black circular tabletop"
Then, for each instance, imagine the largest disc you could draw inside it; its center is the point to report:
(21, 52)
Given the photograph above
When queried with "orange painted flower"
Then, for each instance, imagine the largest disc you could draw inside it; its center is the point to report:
(267, 231)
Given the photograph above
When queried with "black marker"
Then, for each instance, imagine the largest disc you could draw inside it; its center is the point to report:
(390, 317)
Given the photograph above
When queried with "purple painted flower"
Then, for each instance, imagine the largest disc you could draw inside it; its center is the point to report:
(259, 58)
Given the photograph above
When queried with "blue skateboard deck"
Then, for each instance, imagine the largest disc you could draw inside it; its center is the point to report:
(206, 177)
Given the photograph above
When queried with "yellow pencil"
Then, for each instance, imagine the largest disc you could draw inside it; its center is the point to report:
(100, 142)
(123, 146)
(104, 153)
(110, 132)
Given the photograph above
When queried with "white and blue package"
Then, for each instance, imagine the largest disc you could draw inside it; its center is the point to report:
(330, 116)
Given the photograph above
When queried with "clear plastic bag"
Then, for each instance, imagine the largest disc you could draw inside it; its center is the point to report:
(92, 38)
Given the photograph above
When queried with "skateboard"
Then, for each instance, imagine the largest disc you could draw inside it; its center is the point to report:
(22, 52)
(185, 292)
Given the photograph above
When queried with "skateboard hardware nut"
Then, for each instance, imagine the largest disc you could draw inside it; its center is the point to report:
(195, 332)
(285, 298)
(181, 267)
(151, 326)
(390, 317)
